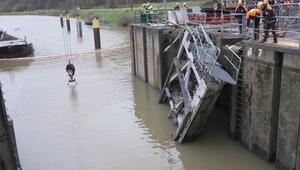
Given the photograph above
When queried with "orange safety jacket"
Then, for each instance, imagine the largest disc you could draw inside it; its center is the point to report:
(253, 13)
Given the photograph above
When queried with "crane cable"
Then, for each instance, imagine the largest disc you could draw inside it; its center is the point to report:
(67, 44)
(68, 53)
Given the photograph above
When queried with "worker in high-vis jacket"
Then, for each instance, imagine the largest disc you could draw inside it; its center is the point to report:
(254, 14)
(269, 20)
(241, 10)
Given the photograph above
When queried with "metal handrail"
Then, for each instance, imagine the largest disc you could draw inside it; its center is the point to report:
(237, 68)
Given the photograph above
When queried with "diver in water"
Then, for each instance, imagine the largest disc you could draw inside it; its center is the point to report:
(71, 72)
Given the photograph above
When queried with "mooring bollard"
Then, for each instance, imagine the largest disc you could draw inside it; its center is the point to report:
(96, 28)
(79, 27)
(68, 24)
(61, 20)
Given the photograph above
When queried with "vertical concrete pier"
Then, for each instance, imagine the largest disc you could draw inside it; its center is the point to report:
(149, 62)
(288, 141)
(270, 93)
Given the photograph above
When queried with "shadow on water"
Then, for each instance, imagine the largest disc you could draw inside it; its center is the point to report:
(10, 66)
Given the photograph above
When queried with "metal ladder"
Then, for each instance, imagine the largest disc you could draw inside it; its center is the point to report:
(238, 103)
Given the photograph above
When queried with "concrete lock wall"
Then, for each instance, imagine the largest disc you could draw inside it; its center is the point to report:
(139, 53)
(257, 129)
(8, 150)
(288, 125)
(149, 62)
(271, 110)
(153, 56)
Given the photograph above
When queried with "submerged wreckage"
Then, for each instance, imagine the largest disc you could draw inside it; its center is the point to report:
(195, 81)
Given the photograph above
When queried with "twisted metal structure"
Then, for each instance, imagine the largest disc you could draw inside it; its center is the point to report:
(195, 81)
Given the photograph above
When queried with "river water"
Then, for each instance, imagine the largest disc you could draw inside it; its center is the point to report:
(109, 121)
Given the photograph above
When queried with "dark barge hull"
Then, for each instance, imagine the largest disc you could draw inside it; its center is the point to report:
(16, 51)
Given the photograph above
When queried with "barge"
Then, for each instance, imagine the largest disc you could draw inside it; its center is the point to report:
(13, 47)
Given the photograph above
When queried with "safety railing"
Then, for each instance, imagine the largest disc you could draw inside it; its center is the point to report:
(197, 17)
(233, 23)
(234, 61)
(287, 22)
(155, 16)
(287, 9)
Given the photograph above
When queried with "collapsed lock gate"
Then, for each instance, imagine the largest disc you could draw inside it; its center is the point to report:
(195, 81)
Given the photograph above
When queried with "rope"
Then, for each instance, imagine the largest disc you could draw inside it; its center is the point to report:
(62, 56)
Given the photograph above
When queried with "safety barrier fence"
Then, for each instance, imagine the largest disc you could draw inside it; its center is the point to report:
(288, 32)
(287, 22)
(289, 13)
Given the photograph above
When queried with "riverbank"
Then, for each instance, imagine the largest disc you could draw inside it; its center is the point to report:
(113, 17)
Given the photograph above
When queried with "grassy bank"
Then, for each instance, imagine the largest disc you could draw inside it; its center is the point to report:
(108, 16)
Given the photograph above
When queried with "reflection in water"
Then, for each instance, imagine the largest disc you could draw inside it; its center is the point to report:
(11, 66)
(150, 113)
(73, 96)
(99, 59)
(152, 119)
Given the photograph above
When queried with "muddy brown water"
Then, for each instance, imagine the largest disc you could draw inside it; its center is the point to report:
(47, 36)
(110, 120)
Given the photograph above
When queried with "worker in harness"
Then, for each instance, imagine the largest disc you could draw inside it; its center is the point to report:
(241, 9)
(254, 14)
(70, 69)
(269, 21)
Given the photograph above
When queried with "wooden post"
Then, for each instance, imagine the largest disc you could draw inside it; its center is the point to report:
(61, 20)
(96, 28)
(68, 24)
(79, 27)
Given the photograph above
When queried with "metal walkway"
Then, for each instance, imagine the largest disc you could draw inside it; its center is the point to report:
(195, 81)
